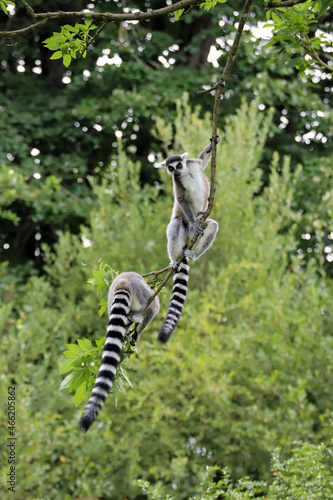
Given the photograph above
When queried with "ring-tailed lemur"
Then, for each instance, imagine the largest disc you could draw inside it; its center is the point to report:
(128, 297)
(191, 191)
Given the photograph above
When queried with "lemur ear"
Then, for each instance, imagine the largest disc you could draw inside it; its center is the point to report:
(160, 165)
(184, 156)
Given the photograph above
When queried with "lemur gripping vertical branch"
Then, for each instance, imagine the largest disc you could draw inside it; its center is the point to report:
(218, 88)
(191, 191)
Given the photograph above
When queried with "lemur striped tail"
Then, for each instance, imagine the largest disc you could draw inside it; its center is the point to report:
(178, 297)
(110, 357)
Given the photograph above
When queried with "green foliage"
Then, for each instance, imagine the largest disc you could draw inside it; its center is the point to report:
(306, 474)
(70, 41)
(247, 370)
(291, 27)
(83, 359)
(206, 4)
(178, 13)
(14, 185)
(102, 280)
(72, 118)
(4, 3)
(210, 4)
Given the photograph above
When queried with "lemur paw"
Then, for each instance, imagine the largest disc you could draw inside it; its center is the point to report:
(174, 266)
(218, 139)
(135, 318)
(189, 254)
(197, 229)
(133, 339)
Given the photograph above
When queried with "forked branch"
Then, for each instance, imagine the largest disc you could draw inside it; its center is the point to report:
(104, 17)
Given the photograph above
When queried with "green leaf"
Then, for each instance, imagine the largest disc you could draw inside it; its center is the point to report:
(79, 377)
(73, 29)
(104, 304)
(52, 42)
(271, 43)
(64, 48)
(56, 55)
(178, 13)
(67, 59)
(66, 382)
(79, 396)
(70, 354)
(124, 374)
(85, 344)
(66, 366)
(276, 18)
(82, 27)
(3, 6)
(100, 343)
(75, 349)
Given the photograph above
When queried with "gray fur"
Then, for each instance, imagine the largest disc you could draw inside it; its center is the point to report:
(191, 191)
(128, 297)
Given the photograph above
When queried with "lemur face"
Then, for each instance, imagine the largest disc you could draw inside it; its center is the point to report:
(175, 165)
(175, 168)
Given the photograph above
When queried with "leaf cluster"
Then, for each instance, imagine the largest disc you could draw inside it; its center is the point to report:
(307, 473)
(291, 27)
(83, 360)
(70, 41)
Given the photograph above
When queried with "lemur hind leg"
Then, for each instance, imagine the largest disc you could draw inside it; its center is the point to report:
(142, 321)
(176, 235)
(205, 241)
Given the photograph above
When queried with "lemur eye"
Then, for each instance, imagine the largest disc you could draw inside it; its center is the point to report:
(171, 169)
(179, 165)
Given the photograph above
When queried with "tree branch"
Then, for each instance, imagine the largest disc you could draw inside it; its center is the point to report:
(28, 8)
(23, 31)
(285, 3)
(106, 17)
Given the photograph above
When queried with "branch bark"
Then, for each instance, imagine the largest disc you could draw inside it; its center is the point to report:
(285, 3)
(105, 17)
(23, 31)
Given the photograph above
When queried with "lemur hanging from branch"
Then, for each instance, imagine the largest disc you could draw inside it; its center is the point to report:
(191, 191)
(127, 299)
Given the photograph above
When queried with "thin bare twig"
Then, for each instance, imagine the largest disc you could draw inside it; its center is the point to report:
(312, 53)
(91, 41)
(28, 8)
(156, 273)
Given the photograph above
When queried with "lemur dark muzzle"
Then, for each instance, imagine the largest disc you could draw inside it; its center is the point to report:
(177, 173)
